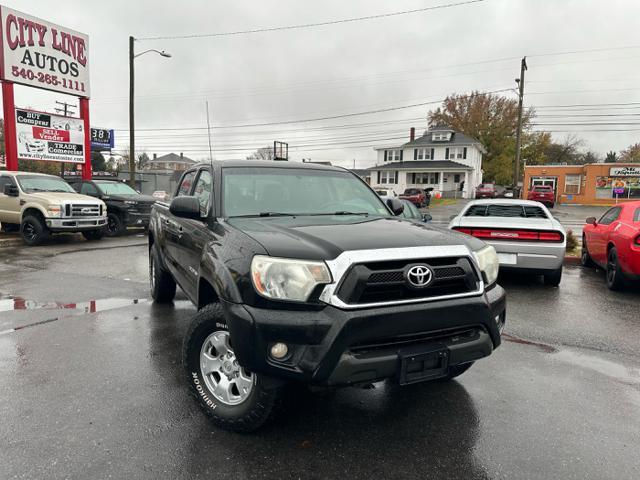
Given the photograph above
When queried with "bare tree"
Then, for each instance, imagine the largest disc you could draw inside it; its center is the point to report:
(264, 153)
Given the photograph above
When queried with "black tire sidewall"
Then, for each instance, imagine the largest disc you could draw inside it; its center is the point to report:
(618, 280)
(41, 230)
(163, 289)
(118, 224)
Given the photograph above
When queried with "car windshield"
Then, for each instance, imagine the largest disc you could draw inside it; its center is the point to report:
(411, 191)
(41, 183)
(265, 191)
(115, 188)
(542, 189)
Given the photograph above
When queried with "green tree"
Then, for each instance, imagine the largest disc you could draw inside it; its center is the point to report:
(631, 154)
(142, 159)
(98, 163)
(492, 120)
(612, 157)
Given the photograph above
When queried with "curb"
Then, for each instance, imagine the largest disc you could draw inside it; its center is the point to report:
(10, 242)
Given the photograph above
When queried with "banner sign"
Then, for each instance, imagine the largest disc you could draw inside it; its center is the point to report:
(624, 172)
(101, 138)
(42, 54)
(42, 136)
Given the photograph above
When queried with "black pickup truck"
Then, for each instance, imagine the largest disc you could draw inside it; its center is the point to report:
(301, 273)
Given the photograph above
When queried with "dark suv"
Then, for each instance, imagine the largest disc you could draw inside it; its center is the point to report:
(301, 273)
(125, 206)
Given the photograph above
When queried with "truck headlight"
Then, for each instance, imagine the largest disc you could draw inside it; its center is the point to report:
(53, 211)
(487, 259)
(287, 279)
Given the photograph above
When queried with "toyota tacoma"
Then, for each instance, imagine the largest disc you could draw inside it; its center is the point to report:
(301, 273)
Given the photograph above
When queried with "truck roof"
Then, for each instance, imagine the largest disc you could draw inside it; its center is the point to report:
(11, 172)
(269, 164)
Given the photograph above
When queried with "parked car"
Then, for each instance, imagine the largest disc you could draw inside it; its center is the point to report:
(613, 243)
(524, 233)
(44, 204)
(412, 213)
(543, 194)
(417, 196)
(486, 190)
(301, 273)
(385, 192)
(125, 206)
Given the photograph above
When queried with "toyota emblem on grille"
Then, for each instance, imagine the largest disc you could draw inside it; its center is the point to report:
(419, 276)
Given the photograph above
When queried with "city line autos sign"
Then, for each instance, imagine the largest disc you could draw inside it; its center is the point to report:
(42, 54)
(42, 136)
(624, 172)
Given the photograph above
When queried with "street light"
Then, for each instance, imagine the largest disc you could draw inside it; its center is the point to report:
(132, 140)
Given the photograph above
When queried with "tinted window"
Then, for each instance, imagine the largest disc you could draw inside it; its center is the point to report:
(203, 191)
(5, 181)
(542, 188)
(255, 190)
(495, 210)
(412, 191)
(610, 216)
(89, 189)
(185, 184)
(410, 211)
(116, 188)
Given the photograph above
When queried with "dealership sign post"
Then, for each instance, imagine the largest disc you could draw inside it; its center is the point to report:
(38, 53)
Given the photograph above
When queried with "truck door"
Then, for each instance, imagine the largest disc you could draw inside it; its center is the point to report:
(9, 206)
(196, 233)
(173, 230)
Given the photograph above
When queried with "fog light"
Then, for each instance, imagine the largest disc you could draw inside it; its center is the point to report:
(279, 351)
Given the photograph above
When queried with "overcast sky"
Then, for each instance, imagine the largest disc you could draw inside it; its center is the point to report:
(299, 74)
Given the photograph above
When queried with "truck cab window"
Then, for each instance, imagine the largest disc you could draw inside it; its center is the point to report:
(202, 191)
(89, 189)
(186, 184)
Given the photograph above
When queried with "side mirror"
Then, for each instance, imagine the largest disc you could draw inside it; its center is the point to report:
(395, 205)
(11, 190)
(592, 221)
(185, 207)
(426, 217)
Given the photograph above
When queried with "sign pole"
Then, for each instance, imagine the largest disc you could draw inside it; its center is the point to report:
(84, 115)
(10, 140)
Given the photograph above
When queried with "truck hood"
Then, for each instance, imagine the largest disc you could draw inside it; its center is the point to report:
(324, 238)
(67, 197)
(135, 198)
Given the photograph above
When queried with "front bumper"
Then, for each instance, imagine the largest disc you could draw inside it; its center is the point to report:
(330, 346)
(134, 219)
(75, 224)
(529, 256)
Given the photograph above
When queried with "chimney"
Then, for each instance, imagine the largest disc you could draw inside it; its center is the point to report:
(181, 155)
(155, 155)
(412, 134)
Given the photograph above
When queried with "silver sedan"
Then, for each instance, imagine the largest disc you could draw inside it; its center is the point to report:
(524, 233)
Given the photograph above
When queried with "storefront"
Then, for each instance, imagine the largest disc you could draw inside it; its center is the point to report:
(591, 184)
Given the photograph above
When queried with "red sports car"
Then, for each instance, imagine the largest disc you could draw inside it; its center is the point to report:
(613, 243)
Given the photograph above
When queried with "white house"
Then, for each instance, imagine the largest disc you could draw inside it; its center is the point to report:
(450, 162)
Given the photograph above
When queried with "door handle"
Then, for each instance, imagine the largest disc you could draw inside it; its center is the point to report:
(180, 229)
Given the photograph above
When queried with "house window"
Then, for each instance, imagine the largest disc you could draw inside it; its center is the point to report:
(387, 177)
(440, 137)
(432, 178)
(423, 154)
(457, 152)
(456, 178)
(392, 156)
(572, 184)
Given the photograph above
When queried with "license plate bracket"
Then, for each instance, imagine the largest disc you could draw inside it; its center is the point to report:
(422, 363)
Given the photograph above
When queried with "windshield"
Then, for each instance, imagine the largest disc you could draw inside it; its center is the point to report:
(115, 188)
(37, 183)
(255, 191)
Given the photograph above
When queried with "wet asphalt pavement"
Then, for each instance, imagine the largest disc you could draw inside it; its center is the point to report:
(91, 386)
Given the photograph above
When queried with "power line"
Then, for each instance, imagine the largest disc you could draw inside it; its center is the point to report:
(311, 25)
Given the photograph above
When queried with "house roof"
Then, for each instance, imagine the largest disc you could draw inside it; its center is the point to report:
(172, 158)
(422, 164)
(360, 171)
(457, 138)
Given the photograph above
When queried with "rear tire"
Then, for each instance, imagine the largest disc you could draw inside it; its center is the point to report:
(615, 277)
(115, 225)
(585, 258)
(242, 403)
(163, 286)
(553, 279)
(93, 234)
(33, 230)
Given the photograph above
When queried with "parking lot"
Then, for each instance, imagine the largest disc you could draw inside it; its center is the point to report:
(93, 387)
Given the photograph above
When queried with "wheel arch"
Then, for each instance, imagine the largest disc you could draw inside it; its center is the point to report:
(32, 210)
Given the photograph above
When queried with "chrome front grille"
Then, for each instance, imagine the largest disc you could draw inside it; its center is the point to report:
(80, 210)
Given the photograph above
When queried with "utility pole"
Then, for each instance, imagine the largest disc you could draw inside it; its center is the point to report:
(209, 135)
(66, 112)
(520, 82)
(132, 139)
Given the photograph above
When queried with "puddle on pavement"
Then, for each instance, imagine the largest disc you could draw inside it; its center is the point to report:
(617, 371)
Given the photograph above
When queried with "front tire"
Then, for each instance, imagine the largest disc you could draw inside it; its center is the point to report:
(585, 257)
(33, 230)
(615, 279)
(553, 279)
(233, 398)
(115, 225)
(163, 286)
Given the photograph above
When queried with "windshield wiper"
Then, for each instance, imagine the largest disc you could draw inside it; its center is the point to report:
(59, 190)
(340, 212)
(266, 214)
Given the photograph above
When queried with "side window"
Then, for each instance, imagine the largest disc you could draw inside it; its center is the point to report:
(610, 216)
(89, 189)
(185, 185)
(76, 186)
(4, 181)
(203, 191)
(636, 215)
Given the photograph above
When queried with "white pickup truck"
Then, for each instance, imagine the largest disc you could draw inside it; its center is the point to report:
(42, 204)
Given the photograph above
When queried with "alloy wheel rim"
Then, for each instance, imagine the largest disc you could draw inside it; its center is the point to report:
(111, 225)
(29, 231)
(225, 379)
(611, 268)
